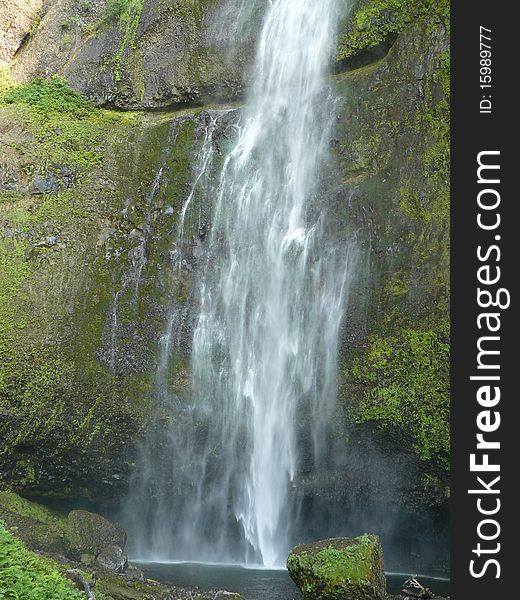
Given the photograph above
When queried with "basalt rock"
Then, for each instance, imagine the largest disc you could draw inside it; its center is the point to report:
(138, 53)
(91, 534)
(339, 569)
(17, 19)
(112, 558)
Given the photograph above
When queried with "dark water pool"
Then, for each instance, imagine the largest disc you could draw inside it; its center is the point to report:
(253, 584)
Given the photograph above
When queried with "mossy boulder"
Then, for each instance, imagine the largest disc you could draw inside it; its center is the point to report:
(82, 536)
(90, 534)
(339, 569)
(24, 572)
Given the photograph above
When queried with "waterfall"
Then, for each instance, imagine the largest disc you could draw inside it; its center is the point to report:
(270, 305)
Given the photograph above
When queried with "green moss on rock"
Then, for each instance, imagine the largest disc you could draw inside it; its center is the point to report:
(86, 232)
(87, 533)
(339, 569)
(67, 127)
(396, 357)
(405, 383)
(373, 21)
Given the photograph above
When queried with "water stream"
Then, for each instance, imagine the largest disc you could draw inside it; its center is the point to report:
(270, 304)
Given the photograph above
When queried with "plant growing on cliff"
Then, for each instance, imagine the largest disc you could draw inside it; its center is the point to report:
(376, 20)
(6, 80)
(128, 14)
(48, 96)
(406, 381)
(67, 126)
(26, 576)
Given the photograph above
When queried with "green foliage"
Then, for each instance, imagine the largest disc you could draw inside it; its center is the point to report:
(406, 382)
(36, 20)
(6, 80)
(67, 127)
(13, 272)
(130, 21)
(377, 19)
(49, 96)
(26, 576)
(122, 10)
(127, 13)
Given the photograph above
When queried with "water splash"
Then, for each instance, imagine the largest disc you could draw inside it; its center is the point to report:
(271, 302)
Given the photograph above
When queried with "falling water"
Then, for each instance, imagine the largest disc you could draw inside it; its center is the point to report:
(270, 307)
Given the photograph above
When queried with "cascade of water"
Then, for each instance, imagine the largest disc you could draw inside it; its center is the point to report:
(270, 307)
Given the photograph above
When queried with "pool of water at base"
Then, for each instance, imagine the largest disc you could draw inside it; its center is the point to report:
(255, 583)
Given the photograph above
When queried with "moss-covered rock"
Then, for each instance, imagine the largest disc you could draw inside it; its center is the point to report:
(25, 574)
(396, 348)
(376, 23)
(82, 536)
(339, 569)
(89, 534)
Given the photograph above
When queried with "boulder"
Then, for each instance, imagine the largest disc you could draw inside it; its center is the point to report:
(88, 533)
(339, 569)
(112, 558)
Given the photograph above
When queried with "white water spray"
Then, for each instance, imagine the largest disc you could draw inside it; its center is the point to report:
(271, 302)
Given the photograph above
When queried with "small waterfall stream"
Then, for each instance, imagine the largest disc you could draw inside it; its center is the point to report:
(270, 305)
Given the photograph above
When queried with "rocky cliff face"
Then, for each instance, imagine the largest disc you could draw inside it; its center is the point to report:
(140, 54)
(89, 205)
(17, 20)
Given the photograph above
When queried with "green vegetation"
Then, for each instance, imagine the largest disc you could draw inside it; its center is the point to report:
(406, 384)
(67, 132)
(26, 576)
(127, 13)
(122, 10)
(6, 80)
(339, 570)
(48, 96)
(375, 20)
(25, 508)
(37, 526)
(52, 135)
(425, 199)
(352, 563)
(67, 127)
(396, 377)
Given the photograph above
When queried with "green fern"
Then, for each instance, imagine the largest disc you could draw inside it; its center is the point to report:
(26, 576)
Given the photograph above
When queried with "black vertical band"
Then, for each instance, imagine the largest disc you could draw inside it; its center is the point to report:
(484, 248)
